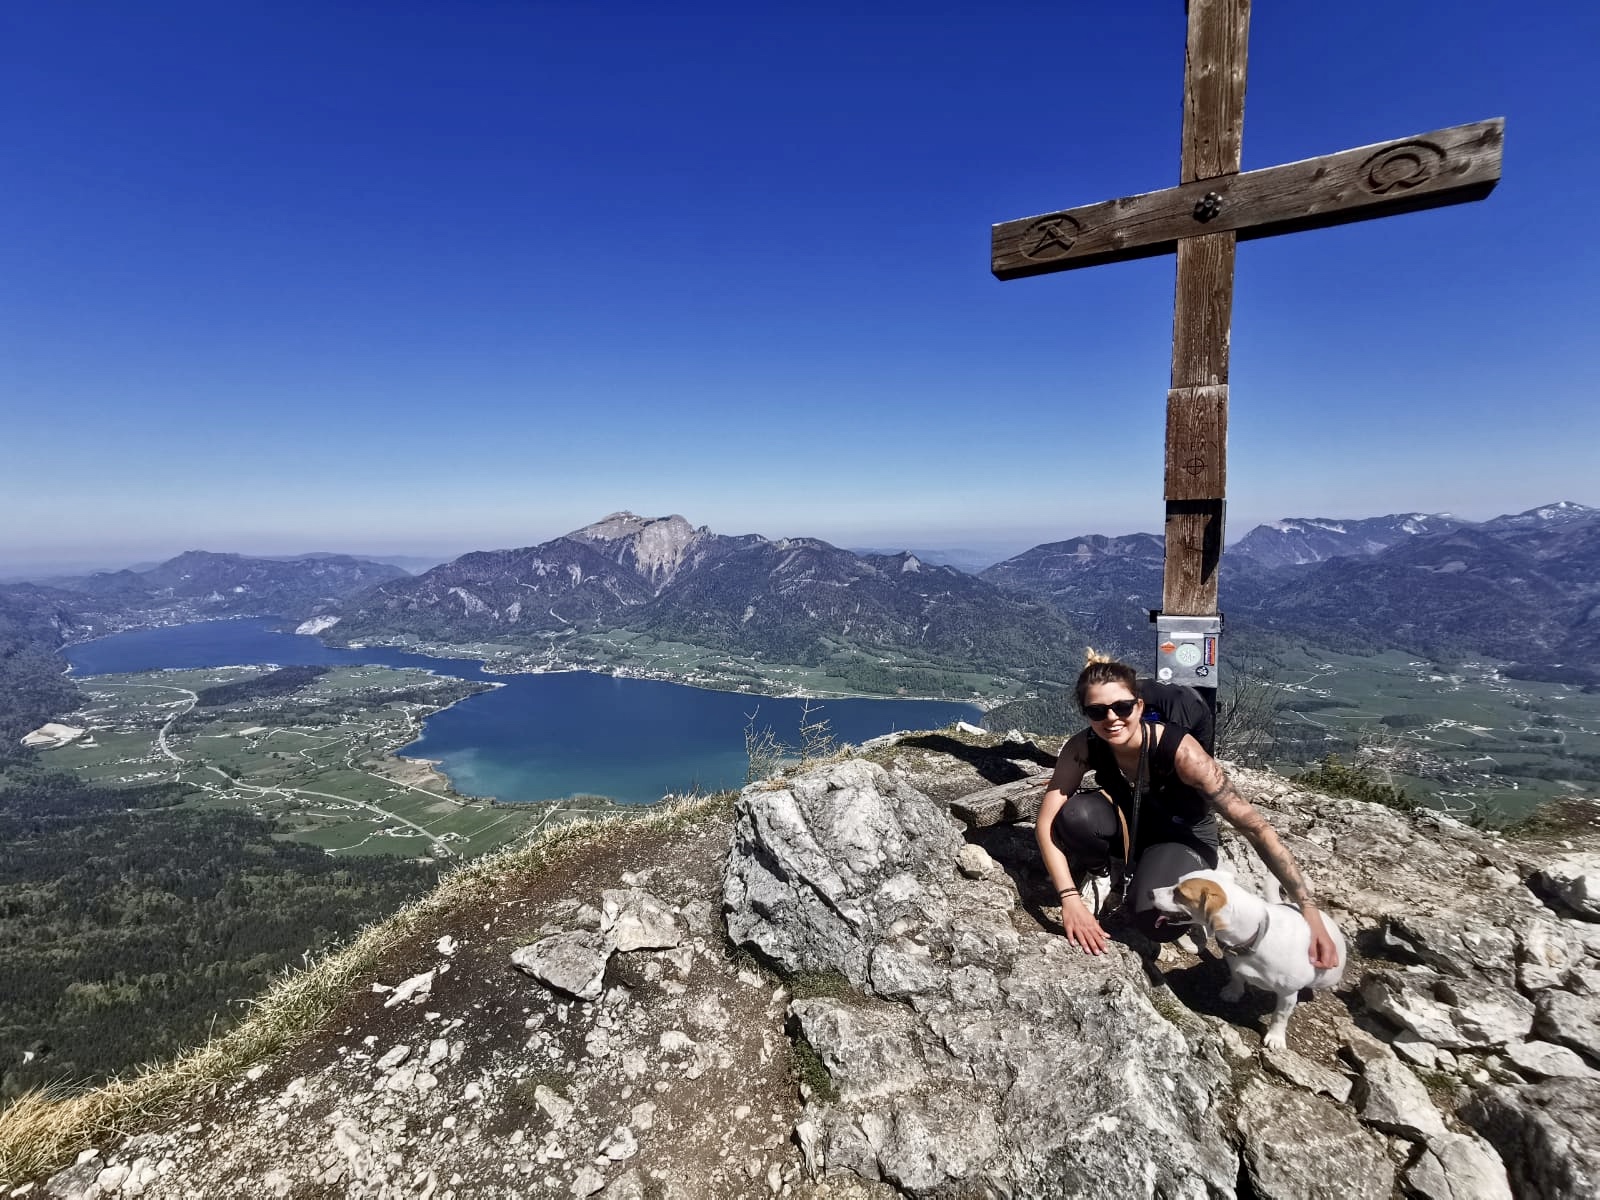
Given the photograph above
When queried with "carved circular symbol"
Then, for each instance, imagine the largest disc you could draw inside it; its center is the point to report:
(1194, 465)
(1401, 167)
(1050, 237)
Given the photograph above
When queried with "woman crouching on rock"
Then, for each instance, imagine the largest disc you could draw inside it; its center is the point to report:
(1155, 813)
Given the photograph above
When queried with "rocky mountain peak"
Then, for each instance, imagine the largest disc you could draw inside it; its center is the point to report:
(632, 1019)
(1545, 516)
(613, 527)
(655, 547)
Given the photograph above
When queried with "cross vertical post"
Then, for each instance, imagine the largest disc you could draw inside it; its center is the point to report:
(1202, 318)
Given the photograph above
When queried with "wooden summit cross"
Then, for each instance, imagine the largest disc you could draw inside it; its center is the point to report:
(1201, 219)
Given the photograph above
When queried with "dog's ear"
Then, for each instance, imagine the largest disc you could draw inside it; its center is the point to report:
(1204, 896)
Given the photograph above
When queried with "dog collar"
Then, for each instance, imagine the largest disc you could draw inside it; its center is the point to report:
(1239, 949)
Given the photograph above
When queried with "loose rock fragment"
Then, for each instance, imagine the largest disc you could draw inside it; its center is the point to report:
(413, 989)
(573, 963)
(636, 920)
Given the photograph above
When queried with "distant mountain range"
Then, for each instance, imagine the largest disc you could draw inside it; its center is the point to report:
(962, 558)
(1301, 540)
(793, 600)
(198, 585)
(1524, 587)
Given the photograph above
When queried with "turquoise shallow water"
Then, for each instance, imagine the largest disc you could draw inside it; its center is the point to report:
(539, 737)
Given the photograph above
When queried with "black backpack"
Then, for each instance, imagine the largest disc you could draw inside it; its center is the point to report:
(1180, 705)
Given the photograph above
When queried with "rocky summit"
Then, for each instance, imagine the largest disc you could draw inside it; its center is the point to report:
(830, 988)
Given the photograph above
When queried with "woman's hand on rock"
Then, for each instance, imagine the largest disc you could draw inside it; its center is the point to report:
(1082, 930)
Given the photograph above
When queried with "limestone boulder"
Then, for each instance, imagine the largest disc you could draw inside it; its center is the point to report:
(820, 870)
(1457, 1166)
(1304, 1147)
(1570, 1019)
(1572, 883)
(636, 920)
(1461, 946)
(1137, 1109)
(1391, 1098)
(1546, 951)
(1303, 1073)
(975, 862)
(972, 1053)
(1544, 1060)
(1548, 1136)
(1458, 1014)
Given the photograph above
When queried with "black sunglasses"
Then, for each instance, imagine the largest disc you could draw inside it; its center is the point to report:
(1099, 712)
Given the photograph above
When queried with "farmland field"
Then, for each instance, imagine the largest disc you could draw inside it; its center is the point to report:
(1462, 733)
(317, 761)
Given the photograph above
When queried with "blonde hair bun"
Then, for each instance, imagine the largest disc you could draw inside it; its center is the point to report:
(1092, 656)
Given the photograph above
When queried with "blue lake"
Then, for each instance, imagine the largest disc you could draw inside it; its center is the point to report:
(540, 737)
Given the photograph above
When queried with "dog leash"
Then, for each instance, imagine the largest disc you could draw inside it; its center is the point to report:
(1141, 783)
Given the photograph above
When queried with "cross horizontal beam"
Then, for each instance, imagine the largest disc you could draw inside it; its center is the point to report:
(1447, 166)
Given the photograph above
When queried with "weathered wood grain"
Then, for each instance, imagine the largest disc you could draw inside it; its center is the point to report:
(1202, 312)
(1430, 170)
(1011, 802)
(1213, 88)
(1194, 549)
(1197, 443)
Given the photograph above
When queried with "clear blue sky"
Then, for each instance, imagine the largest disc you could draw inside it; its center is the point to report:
(279, 276)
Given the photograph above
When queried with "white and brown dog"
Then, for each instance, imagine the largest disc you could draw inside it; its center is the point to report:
(1268, 946)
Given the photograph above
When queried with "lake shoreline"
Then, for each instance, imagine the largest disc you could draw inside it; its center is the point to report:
(550, 736)
(769, 688)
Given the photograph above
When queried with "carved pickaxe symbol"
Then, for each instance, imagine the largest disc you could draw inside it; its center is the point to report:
(1054, 233)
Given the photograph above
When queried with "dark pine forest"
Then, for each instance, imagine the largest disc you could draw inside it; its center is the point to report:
(132, 922)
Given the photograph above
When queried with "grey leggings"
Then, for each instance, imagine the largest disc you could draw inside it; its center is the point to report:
(1087, 831)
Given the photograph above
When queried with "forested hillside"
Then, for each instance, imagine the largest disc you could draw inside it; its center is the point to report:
(33, 685)
(131, 922)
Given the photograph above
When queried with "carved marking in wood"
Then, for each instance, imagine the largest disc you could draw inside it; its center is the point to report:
(1444, 166)
(1401, 167)
(1050, 237)
(1197, 442)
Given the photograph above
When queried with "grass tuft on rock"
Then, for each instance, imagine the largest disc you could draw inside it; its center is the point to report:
(811, 1073)
(822, 985)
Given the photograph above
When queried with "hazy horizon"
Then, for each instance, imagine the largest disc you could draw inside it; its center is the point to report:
(21, 561)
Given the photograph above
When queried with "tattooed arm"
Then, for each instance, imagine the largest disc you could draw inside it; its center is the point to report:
(1203, 773)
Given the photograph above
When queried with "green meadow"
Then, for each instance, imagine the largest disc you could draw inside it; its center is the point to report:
(318, 763)
(1461, 733)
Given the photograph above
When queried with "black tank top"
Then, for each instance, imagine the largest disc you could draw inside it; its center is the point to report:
(1172, 810)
